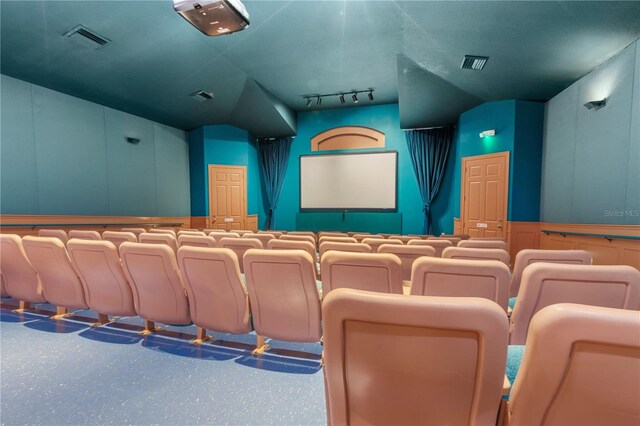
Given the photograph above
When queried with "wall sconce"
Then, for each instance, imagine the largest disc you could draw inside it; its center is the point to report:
(596, 104)
(487, 133)
(133, 141)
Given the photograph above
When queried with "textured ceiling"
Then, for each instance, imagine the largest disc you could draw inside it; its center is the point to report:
(408, 51)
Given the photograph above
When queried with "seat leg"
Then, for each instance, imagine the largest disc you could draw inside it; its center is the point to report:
(23, 306)
(61, 313)
(261, 346)
(149, 328)
(201, 337)
(102, 320)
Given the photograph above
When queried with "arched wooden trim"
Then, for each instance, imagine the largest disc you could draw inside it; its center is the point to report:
(347, 137)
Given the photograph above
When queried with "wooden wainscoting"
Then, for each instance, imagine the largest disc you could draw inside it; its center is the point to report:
(93, 223)
(199, 222)
(457, 226)
(605, 251)
(252, 222)
(522, 235)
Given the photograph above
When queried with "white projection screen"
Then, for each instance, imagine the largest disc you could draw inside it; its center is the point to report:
(362, 181)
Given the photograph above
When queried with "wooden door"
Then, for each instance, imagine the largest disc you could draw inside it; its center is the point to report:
(485, 192)
(227, 197)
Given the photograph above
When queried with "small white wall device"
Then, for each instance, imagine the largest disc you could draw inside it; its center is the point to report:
(486, 133)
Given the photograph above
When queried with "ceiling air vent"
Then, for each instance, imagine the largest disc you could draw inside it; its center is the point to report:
(86, 37)
(474, 62)
(202, 96)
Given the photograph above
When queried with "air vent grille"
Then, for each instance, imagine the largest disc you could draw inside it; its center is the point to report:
(471, 62)
(202, 96)
(87, 37)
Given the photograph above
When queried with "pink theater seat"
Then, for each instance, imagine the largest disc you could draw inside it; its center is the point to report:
(136, 231)
(3, 288)
(118, 238)
(19, 278)
(158, 292)
(453, 240)
(476, 254)
(381, 272)
(361, 236)
(54, 233)
(264, 238)
(196, 241)
(296, 237)
(332, 234)
(374, 243)
(106, 288)
(189, 232)
(349, 247)
(486, 244)
(162, 231)
(241, 232)
(488, 279)
(220, 235)
(60, 283)
(439, 245)
(159, 238)
(404, 238)
(545, 284)
(292, 245)
(527, 257)
(581, 366)
(240, 246)
(284, 298)
(407, 255)
(395, 360)
(218, 299)
(336, 239)
(276, 234)
(307, 233)
(84, 235)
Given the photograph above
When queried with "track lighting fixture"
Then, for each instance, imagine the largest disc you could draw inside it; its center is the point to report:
(340, 95)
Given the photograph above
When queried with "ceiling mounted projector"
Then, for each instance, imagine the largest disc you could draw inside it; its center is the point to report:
(214, 17)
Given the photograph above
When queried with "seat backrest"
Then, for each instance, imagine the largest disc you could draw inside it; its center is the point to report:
(330, 238)
(54, 233)
(439, 245)
(60, 283)
(296, 237)
(293, 245)
(476, 254)
(350, 247)
(276, 234)
(118, 238)
(407, 255)
(264, 238)
(488, 279)
(196, 233)
(3, 288)
(158, 292)
(162, 231)
(159, 238)
(332, 234)
(196, 241)
(487, 244)
(18, 276)
(274, 276)
(240, 246)
(527, 257)
(545, 284)
(219, 235)
(304, 233)
(453, 240)
(84, 235)
(381, 272)
(217, 298)
(241, 232)
(98, 266)
(581, 366)
(392, 359)
(374, 243)
(361, 236)
(404, 238)
(135, 231)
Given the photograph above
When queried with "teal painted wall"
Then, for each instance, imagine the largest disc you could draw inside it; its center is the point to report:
(591, 159)
(64, 155)
(224, 145)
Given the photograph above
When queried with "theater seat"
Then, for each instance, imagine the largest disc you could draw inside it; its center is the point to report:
(280, 244)
(158, 292)
(217, 298)
(484, 244)
(84, 235)
(361, 236)
(307, 233)
(264, 238)
(296, 237)
(18, 276)
(395, 360)
(118, 238)
(159, 238)
(54, 233)
(163, 231)
(404, 238)
(380, 272)
(349, 247)
(476, 254)
(374, 243)
(336, 239)
(196, 241)
(488, 279)
(545, 284)
(407, 255)
(240, 246)
(136, 231)
(276, 234)
(60, 283)
(3, 288)
(98, 266)
(284, 298)
(220, 235)
(189, 232)
(453, 240)
(439, 245)
(581, 366)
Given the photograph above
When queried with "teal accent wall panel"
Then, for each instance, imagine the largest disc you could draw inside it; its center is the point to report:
(384, 223)
(18, 177)
(197, 173)
(131, 168)
(172, 171)
(71, 155)
(633, 174)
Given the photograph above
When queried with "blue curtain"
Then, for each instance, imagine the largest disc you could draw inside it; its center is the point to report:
(429, 150)
(274, 156)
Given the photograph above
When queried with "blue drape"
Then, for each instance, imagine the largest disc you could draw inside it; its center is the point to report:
(429, 150)
(274, 156)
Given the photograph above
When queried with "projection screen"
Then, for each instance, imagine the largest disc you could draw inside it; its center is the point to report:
(361, 181)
